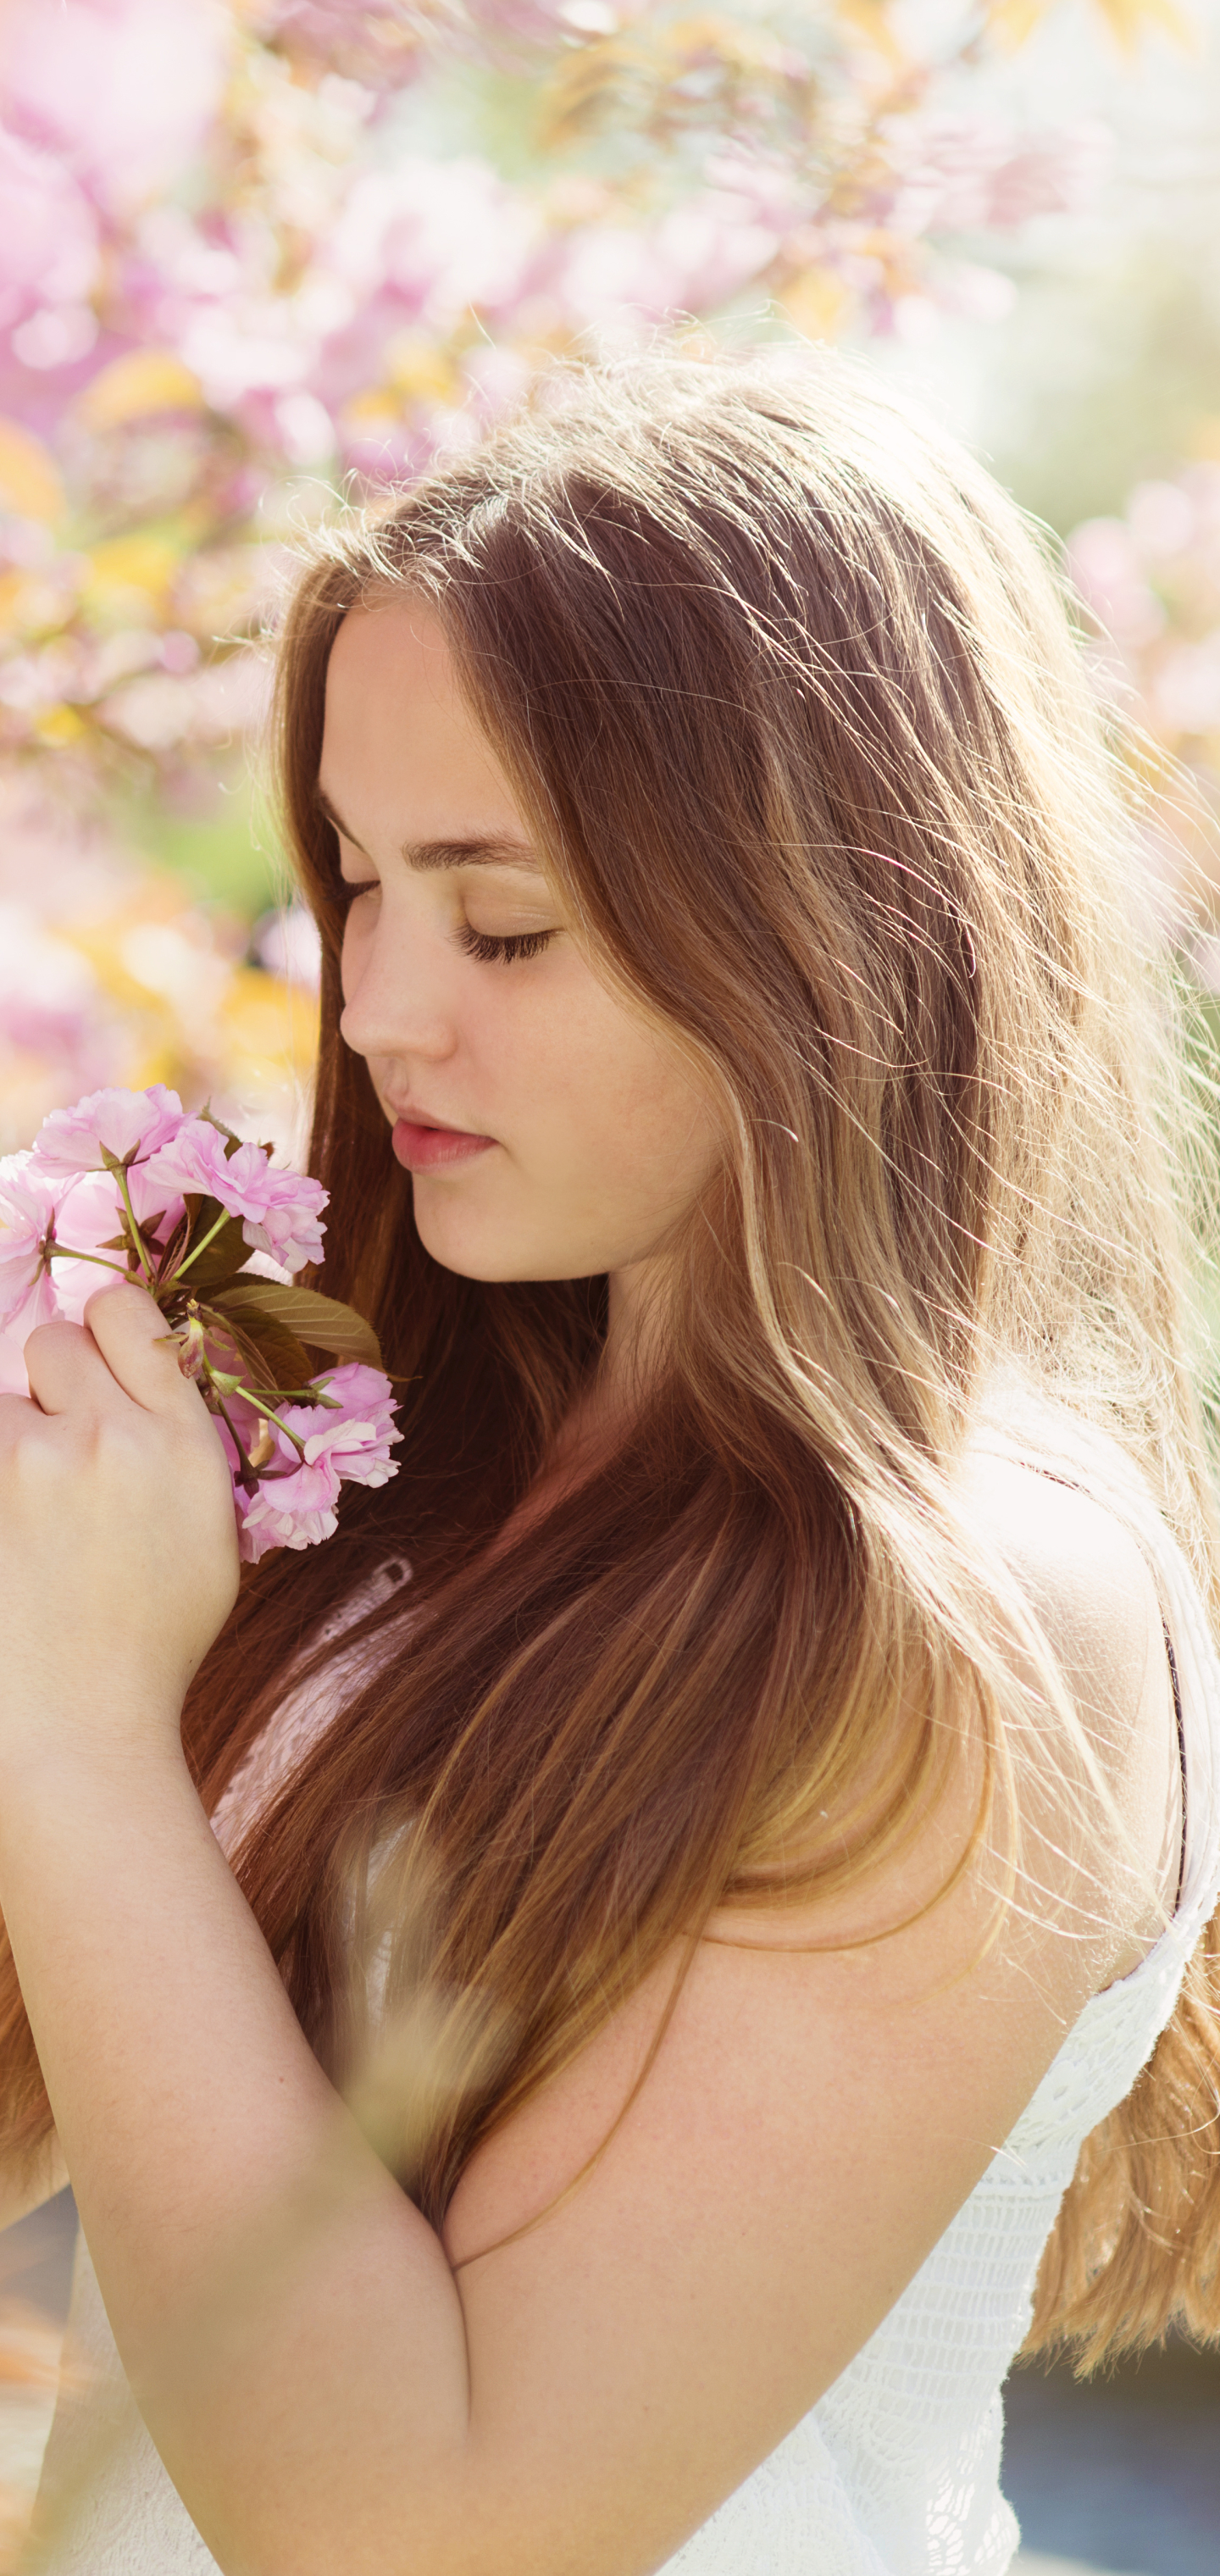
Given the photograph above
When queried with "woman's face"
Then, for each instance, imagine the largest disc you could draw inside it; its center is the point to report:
(553, 1131)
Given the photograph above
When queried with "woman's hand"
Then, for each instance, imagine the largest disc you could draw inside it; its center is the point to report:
(117, 1531)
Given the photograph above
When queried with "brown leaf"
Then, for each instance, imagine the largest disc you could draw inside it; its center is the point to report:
(274, 1358)
(321, 1321)
(224, 1255)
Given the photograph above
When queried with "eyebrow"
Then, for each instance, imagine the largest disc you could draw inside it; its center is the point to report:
(488, 850)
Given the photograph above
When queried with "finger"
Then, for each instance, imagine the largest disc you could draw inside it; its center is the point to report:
(133, 1338)
(66, 1370)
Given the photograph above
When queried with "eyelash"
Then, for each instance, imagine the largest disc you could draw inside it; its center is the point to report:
(491, 952)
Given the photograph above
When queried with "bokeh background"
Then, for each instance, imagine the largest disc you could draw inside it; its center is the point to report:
(259, 257)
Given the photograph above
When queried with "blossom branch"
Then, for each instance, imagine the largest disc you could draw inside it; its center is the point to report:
(136, 1162)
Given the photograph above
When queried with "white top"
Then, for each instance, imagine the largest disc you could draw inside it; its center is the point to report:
(895, 2472)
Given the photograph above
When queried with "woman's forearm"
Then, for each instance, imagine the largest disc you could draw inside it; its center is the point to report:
(288, 2321)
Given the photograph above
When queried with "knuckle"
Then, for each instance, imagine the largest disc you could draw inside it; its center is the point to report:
(58, 1335)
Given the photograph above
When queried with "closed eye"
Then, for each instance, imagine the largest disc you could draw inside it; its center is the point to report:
(491, 951)
(349, 890)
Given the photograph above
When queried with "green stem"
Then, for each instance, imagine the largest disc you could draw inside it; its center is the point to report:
(237, 1386)
(64, 1252)
(299, 1395)
(141, 1253)
(269, 1411)
(196, 1249)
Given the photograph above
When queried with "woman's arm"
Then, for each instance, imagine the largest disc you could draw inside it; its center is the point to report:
(323, 2386)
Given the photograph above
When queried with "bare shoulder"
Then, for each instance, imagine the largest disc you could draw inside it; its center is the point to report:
(1087, 1581)
(1090, 1587)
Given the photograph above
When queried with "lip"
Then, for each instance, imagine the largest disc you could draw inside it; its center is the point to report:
(428, 1145)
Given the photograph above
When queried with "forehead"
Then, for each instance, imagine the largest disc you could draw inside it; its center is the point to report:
(403, 759)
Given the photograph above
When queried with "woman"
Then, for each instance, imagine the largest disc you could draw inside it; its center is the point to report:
(708, 1852)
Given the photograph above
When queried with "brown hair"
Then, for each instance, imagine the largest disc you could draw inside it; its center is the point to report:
(783, 683)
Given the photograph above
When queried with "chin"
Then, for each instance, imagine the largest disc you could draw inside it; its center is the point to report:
(475, 1252)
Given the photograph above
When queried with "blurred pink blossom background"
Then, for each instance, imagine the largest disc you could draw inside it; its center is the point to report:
(258, 256)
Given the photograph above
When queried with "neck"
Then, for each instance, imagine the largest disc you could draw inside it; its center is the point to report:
(635, 1333)
(632, 1355)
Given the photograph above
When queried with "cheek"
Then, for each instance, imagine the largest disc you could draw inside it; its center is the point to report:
(666, 1123)
(609, 1134)
(624, 1100)
(351, 960)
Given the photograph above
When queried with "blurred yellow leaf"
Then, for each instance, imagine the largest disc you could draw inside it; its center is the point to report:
(592, 85)
(638, 78)
(217, 592)
(373, 409)
(818, 303)
(31, 605)
(269, 1028)
(1128, 20)
(418, 369)
(131, 575)
(1014, 20)
(29, 478)
(143, 380)
(59, 725)
(871, 19)
(734, 43)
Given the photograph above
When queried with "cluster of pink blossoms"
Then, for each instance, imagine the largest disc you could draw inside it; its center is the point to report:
(127, 1183)
(313, 1453)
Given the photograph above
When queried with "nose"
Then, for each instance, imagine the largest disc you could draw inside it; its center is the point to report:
(393, 996)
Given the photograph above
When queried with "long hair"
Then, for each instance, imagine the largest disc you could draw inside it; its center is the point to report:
(787, 693)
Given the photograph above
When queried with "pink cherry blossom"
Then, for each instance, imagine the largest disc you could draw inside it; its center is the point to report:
(346, 1445)
(440, 235)
(280, 1211)
(29, 1204)
(378, 43)
(124, 89)
(51, 1010)
(91, 1216)
(60, 1193)
(48, 232)
(358, 1437)
(71, 1140)
(955, 173)
(296, 1511)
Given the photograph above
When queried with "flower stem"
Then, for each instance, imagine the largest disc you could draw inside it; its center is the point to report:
(140, 1249)
(219, 1378)
(64, 1252)
(270, 1415)
(247, 1474)
(196, 1249)
(302, 1395)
